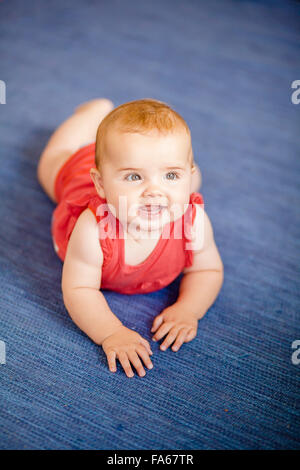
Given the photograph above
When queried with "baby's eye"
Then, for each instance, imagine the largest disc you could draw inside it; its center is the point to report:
(132, 179)
(174, 175)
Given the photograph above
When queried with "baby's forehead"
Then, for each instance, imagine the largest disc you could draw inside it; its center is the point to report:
(138, 149)
(116, 138)
(141, 150)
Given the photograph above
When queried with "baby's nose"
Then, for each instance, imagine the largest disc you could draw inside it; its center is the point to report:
(152, 191)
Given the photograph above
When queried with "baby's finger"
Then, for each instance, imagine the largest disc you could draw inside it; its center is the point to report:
(145, 343)
(111, 359)
(125, 364)
(162, 331)
(180, 339)
(191, 335)
(144, 355)
(157, 322)
(169, 339)
(135, 360)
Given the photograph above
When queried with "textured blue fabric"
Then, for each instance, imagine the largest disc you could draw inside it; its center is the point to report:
(227, 67)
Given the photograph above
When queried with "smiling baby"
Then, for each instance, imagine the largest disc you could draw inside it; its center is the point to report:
(129, 219)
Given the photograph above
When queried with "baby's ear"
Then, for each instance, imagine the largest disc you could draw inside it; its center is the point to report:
(194, 168)
(196, 178)
(97, 180)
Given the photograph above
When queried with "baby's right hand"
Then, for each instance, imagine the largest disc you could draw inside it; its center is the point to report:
(127, 345)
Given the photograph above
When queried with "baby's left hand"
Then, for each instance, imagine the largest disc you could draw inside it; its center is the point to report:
(180, 324)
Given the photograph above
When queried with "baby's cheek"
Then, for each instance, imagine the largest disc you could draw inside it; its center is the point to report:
(178, 208)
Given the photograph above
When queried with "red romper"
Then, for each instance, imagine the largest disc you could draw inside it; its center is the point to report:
(75, 192)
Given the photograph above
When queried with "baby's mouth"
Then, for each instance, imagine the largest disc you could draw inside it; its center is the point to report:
(151, 210)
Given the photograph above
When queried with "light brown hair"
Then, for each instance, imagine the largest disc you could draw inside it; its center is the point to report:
(141, 116)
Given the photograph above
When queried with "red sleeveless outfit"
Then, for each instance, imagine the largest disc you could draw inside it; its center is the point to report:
(75, 192)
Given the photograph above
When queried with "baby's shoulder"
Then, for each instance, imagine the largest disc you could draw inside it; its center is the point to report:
(202, 234)
(84, 242)
(87, 221)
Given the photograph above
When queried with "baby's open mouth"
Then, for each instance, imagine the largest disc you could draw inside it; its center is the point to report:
(151, 210)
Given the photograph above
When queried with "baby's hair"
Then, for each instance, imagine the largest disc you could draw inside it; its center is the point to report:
(140, 116)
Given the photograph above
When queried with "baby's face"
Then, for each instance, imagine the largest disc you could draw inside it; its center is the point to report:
(146, 177)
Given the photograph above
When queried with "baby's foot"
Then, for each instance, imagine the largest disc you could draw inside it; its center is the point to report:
(102, 106)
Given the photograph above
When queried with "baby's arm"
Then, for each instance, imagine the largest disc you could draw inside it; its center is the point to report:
(198, 289)
(87, 306)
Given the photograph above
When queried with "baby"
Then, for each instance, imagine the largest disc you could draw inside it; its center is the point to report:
(129, 219)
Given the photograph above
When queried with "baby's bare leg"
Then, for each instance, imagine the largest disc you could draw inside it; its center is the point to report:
(78, 130)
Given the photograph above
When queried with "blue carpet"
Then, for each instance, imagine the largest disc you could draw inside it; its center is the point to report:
(227, 67)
